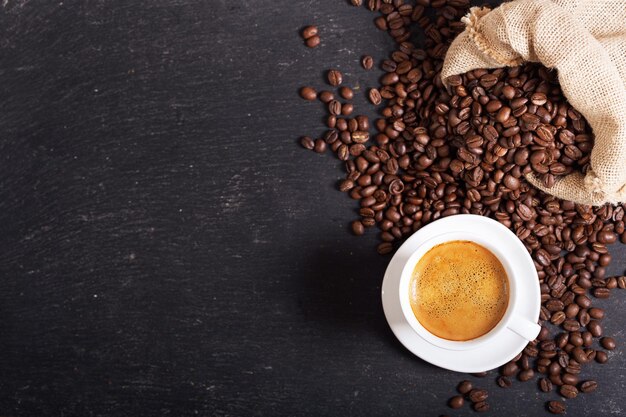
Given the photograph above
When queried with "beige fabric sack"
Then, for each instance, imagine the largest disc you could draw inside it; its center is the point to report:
(585, 40)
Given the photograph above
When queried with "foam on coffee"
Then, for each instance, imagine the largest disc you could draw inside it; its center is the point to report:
(459, 290)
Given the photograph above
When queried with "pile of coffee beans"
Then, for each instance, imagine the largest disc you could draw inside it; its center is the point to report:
(441, 151)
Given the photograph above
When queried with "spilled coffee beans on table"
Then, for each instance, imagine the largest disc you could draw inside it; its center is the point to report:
(436, 152)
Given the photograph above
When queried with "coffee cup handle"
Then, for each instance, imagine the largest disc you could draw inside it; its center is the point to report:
(525, 328)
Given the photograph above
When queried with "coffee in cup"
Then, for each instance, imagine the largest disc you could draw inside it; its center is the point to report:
(459, 290)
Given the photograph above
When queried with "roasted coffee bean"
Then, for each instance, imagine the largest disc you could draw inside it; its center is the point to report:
(375, 97)
(334, 107)
(334, 77)
(360, 136)
(596, 313)
(611, 283)
(568, 391)
(347, 185)
(320, 146)
(554, 368)
(509, 369)
(478, 395)
(385, 248)
(367, 62)
(363, 123)
(308, 93)
(605, 236)
(456, 402)
(595, 328)
(571, 325)
(526, 375)
(572, 310)
(558, 318)
(588, 386)
(601, 292)
(307, 142)
(357, 228)
(464, 387)
(511, 182)
(326, 97)
(545, 385)
(556, 380)
(569, 379)
(556, 407)
(309, 31)
(346, 93)
(583, 301)
(579, 354)
(481, 407)
(601, 357)
(503, 382)
(608, 343)
(313, 41)
(576, 339)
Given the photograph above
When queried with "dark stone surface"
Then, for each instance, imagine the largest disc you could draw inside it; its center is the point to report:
(167, 249)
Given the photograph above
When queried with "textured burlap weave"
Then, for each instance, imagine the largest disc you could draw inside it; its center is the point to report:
(585, 41)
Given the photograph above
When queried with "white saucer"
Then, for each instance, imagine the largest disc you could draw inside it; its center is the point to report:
(483, 357)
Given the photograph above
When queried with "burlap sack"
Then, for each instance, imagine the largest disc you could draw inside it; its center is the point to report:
(585, 40)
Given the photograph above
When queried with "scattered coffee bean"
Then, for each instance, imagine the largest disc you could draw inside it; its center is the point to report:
(357, 228)
(556, 407)
(509, 369)
(545, 385)
(456, 402)
(334, 107)
(320, 146)
(503, 382)
(309, 31)
(601, 292)
(481, 407)
(308, 93)
(568, 391)
(569, 379)
(375, 97)
(307, 142)
(596, 313)
(588, 386)
(602, 357)
(464, 387)
(326, 97)
(313, 41)
(346, 93)
(347, 109)
(385, 248)
(608, 343)
(595, 328)
(526, 375)
(334, 77)
(478, 395)
(367, 62)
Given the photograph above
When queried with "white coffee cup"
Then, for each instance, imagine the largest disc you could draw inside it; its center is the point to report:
(520, 325)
